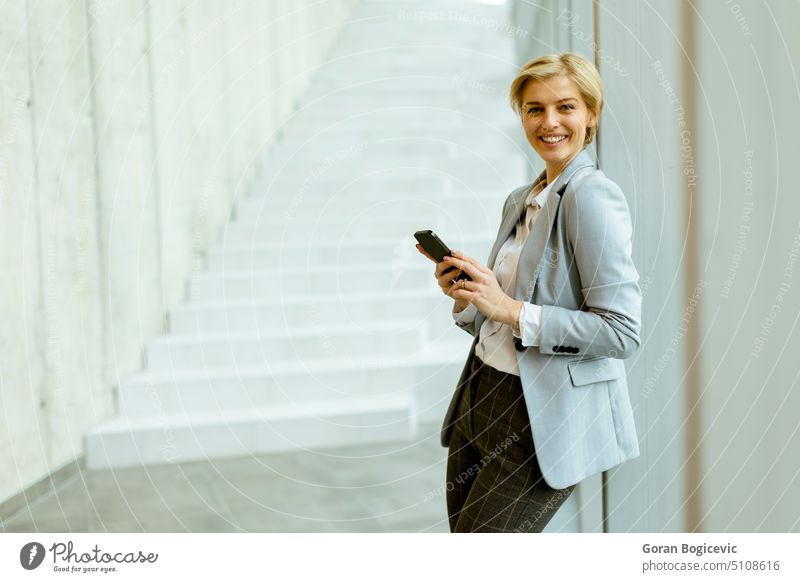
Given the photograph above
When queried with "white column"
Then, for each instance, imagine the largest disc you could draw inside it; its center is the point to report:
(747, 95)
(638, 149)
(71, 393)
(127, 186)
(22, 371)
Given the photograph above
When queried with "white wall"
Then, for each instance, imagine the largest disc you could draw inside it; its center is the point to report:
(747, 95)
(638, 149)
(22, 338)
(126, 131)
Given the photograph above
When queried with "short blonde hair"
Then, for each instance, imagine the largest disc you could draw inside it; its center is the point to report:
(572, 65)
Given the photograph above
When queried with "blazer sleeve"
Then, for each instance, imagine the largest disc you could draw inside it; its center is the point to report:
(465, 319)
(599, 229)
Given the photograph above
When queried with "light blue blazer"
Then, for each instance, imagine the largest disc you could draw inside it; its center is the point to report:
(576, 264)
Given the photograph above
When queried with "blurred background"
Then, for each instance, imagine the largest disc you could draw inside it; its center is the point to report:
(213, 314)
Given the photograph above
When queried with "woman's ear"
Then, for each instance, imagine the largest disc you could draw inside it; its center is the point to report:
(592, 119)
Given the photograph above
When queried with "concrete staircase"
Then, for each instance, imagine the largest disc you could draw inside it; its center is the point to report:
(316, 323)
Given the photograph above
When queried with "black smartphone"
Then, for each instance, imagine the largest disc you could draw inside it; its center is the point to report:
(434, 246)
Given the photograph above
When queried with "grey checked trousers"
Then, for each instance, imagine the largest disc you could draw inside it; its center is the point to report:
(494, 483)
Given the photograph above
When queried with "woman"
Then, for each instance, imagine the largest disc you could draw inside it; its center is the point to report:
(543, 400)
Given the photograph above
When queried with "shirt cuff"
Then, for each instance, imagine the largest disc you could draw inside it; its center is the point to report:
(465, 316)
(530, 319)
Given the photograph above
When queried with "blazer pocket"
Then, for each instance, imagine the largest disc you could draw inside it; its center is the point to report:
(583, 372)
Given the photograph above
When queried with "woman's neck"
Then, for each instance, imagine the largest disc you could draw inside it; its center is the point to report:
(554, 169)
(554, 172)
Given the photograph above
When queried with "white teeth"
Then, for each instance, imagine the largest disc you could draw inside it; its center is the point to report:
(554, 139)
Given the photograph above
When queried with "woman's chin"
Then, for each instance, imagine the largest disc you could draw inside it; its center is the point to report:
(550, 153)
(556, 155)
(551, 156)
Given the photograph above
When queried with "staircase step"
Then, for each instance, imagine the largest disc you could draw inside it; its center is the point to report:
(470, 95)
(252, 213)
(451, 201)
(389, 117)
(327, 146)
(286, 310)
(480, 47)
(198, 436)
(296, 382)
(455, 91)
(431, 158)
(473, 171)
(381, 184)
(232, 257)
(465, 135)
(387, 276)
(303, 345)
(347, 67)
(270, 231)
(393, 181)
(406, 59)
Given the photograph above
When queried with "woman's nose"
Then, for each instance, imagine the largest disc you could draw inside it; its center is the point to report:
(549, 120)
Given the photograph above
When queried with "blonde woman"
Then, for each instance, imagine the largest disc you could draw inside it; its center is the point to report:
(542, 402)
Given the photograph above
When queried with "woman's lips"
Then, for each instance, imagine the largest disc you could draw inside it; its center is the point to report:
(555, 143)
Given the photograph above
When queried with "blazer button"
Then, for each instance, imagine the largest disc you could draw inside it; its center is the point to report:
(556, 348)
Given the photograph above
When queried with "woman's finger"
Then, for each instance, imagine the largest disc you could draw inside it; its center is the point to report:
(470, 269)
(463, 285)
(444, 268)
(463, 257)
(447, 279)
(441, 269)
(460, 291)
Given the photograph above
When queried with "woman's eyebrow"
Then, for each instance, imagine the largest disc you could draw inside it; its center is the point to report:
(559, 101)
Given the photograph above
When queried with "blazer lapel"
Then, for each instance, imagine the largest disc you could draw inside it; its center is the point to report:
(532, 253)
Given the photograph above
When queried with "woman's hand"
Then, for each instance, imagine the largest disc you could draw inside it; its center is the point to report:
(445, 280)
(484, 292)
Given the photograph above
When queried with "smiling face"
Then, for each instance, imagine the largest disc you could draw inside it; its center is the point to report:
(555, 118)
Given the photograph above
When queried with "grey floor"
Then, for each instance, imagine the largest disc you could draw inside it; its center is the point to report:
(397, 487)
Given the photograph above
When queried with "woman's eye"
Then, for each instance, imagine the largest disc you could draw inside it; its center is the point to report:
(563, 107)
